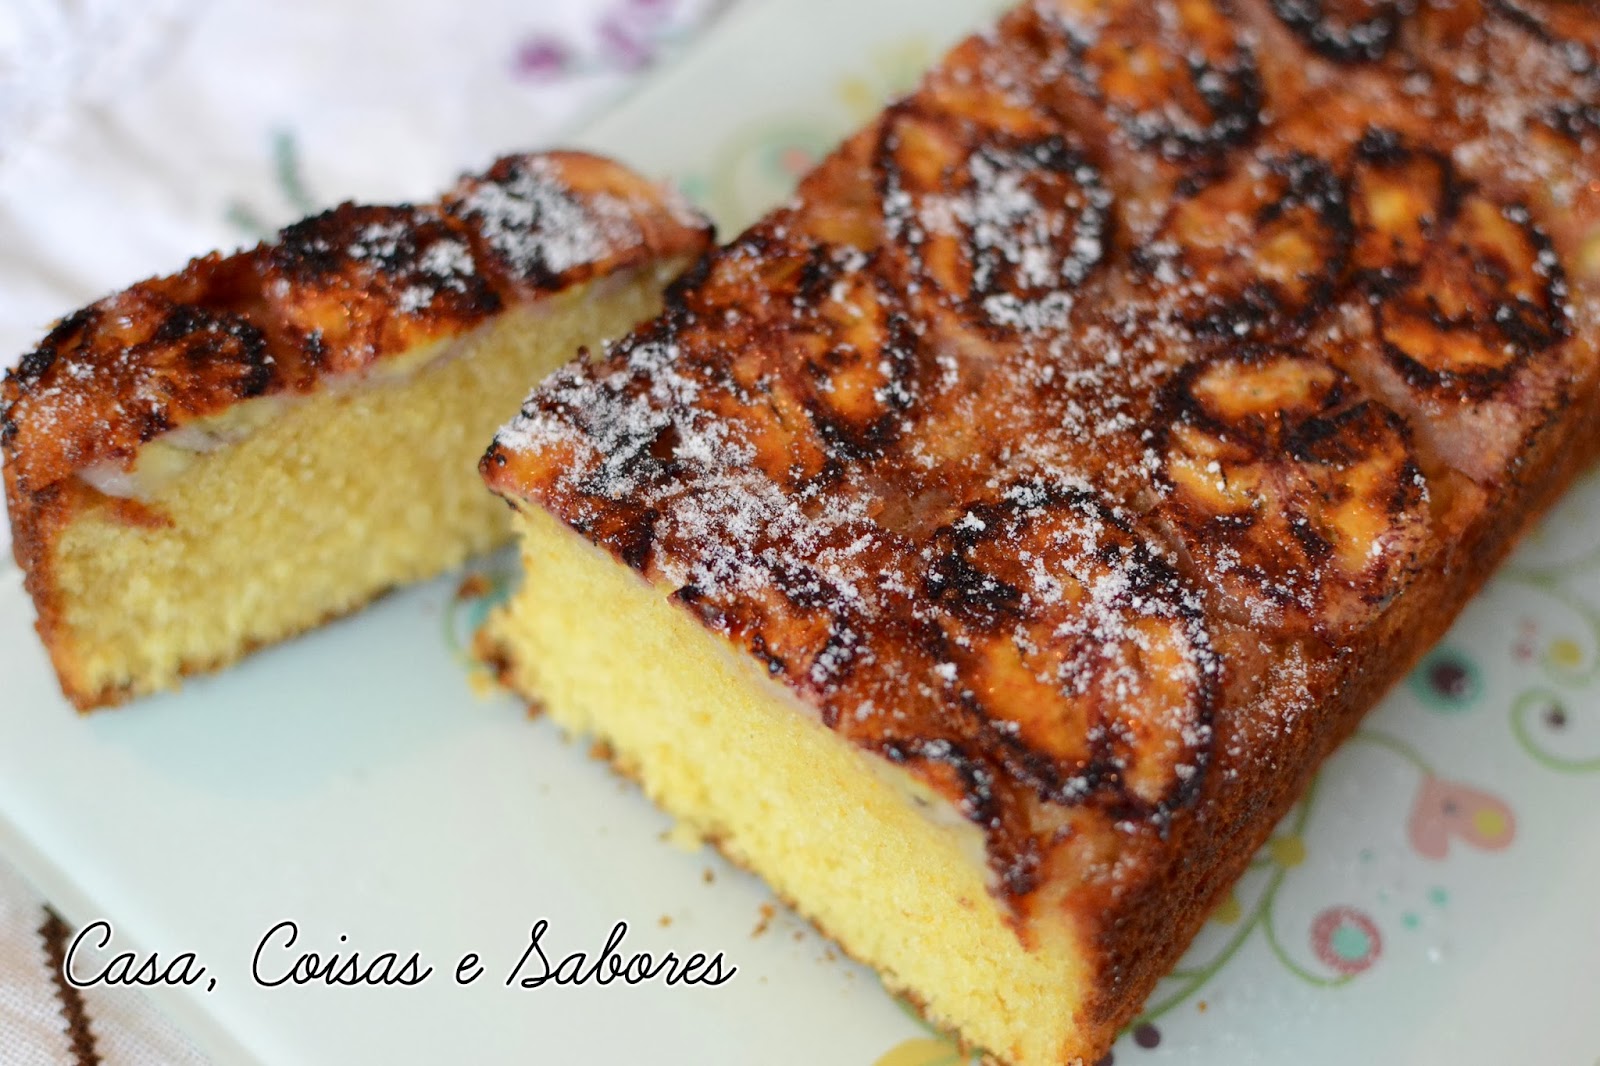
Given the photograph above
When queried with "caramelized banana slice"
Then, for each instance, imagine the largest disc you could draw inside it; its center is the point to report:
(1346, 31)
(1490, 293)
(864, 371)
(1546, 73)
(1401, 197)
(827, 338)
(1469, 286)
(1002, 227)
(1082, 651)
(154, 356)
(1302, 501)
(805, 366)
(357, 283)
(1261, 251)
(1172, 74)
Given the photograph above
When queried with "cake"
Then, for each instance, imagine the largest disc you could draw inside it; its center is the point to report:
(212, 461)
(996, 538)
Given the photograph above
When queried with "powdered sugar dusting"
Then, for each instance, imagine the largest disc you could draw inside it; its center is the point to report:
(533, 219)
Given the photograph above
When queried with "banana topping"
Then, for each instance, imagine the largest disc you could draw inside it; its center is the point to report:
(1303, 500)
(1173, 74)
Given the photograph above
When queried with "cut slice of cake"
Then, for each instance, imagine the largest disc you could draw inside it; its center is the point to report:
(995, 539)
(212, 461)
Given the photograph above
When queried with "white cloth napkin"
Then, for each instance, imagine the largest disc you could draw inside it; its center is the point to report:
(135, 134)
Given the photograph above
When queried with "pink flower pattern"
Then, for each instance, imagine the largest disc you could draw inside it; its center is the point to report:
(1449, 809)
(541, 58)
(627, 36)
(1346, 940)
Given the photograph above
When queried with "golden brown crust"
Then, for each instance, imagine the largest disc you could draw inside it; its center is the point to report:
(1101, 453)
(334, 296)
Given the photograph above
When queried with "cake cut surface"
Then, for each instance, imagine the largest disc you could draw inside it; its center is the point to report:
(208, 462)
(1035, 500)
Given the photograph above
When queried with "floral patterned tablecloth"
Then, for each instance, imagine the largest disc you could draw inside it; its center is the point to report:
(135, 134)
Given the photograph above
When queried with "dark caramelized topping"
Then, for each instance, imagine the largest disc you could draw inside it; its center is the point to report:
(1561, 22)
(855, 365)
(540, 221)
(1260, 251)
(1005, 227)
(357, 283)
(1574, 120)
(1302, 499)
(1464, 287)
(1347, 31)
(1171, 73)
(1401, 197)
(1076, 647)
(128, 369)
(1489, 294)
(333, 295)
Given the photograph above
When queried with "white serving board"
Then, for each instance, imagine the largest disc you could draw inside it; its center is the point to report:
(358, 782)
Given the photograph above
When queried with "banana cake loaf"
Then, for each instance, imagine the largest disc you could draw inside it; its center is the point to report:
(208, 462)
(995, 538)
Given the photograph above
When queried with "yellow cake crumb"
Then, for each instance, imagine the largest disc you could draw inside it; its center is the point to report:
(349, 492)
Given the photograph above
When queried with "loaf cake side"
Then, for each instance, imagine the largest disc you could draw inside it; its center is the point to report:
(212, 461)
(1036, 500)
